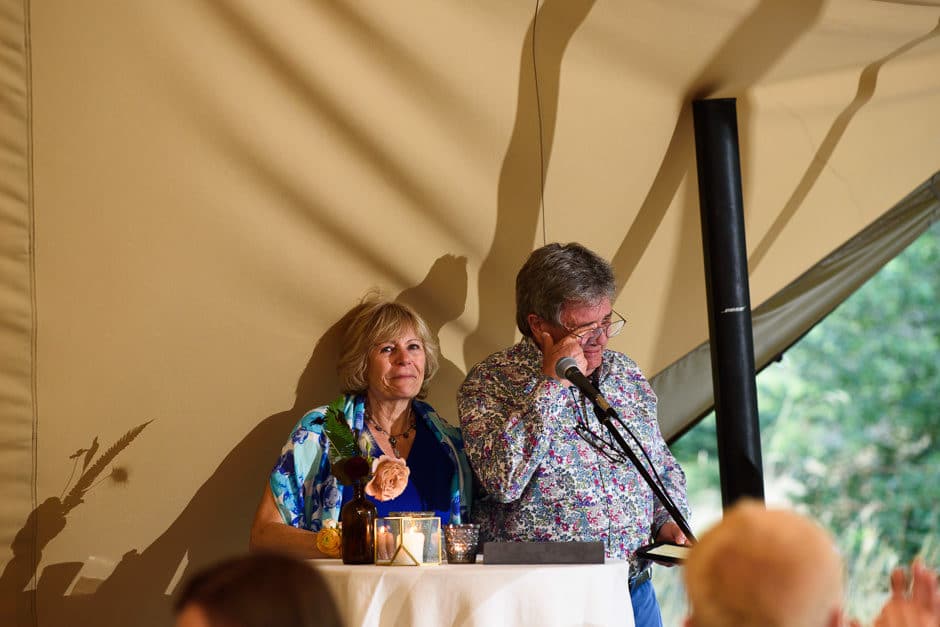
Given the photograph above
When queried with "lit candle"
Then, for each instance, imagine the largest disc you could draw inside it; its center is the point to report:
(413, 540)
(381, 544)
(390, 542)
(436, 546)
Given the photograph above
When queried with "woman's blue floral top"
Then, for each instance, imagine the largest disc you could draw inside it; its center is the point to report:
(306, 492)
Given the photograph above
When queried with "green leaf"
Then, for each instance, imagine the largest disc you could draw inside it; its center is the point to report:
(341, 436)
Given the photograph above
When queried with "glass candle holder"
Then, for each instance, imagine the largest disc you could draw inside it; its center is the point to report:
(408, 540)
(461, 543)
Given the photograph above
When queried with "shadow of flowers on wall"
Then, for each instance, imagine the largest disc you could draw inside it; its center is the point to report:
(18, 586)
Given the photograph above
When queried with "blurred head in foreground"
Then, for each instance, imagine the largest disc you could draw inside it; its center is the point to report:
(764, 567)
(257, 590)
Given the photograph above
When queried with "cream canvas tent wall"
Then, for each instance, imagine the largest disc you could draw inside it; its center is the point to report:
(193, 194)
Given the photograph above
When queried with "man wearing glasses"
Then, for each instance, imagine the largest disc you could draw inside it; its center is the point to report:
(549, 468)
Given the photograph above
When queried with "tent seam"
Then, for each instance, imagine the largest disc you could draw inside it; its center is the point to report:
(33, 301)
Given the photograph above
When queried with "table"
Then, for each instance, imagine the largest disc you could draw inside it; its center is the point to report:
(466, 595)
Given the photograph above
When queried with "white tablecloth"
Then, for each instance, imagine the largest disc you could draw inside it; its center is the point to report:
(477, 594)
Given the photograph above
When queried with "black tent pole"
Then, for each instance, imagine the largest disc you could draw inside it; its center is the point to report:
(729, 303)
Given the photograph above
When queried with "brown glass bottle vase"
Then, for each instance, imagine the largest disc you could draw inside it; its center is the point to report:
(358, 517)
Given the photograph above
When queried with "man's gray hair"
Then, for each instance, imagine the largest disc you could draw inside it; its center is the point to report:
(556, 274)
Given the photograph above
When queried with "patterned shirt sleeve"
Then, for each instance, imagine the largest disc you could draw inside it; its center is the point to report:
(507, 435)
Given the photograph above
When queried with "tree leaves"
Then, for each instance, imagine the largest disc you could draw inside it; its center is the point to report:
(850, 417)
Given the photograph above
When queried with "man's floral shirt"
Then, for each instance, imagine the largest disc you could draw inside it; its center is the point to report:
(544, 482)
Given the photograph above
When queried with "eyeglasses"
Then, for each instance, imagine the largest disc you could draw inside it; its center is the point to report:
(610, 329)
(603, 444)
(603, 441)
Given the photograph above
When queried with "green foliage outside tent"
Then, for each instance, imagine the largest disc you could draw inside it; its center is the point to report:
(850, 425)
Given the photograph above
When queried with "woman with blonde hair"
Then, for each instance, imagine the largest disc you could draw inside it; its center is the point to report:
(387, 359)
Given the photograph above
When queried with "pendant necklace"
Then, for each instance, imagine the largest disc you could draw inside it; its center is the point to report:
(392, 437)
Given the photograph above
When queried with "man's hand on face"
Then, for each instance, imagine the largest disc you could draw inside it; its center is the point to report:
(568, 346)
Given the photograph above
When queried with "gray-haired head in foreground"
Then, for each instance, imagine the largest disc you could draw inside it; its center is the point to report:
(556, 274)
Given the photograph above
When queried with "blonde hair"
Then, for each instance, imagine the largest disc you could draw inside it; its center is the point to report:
(375, 321)
(766, 567)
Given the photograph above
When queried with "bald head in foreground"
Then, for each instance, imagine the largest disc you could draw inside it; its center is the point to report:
(764, 567)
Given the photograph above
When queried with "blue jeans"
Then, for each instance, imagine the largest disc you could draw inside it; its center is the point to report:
(645, 606)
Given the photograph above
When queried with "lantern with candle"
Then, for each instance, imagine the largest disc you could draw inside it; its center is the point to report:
(408, 539)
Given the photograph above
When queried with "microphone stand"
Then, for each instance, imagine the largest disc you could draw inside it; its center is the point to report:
(604, 416)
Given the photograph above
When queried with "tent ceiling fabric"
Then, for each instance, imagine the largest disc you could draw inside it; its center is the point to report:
(195, 192)
(685, 386)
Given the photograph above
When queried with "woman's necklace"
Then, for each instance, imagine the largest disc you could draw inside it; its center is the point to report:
(392, 437)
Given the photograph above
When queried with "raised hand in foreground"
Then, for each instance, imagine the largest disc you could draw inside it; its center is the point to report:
(914, 605)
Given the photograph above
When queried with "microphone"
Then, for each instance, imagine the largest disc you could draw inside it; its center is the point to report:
(567, 368)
